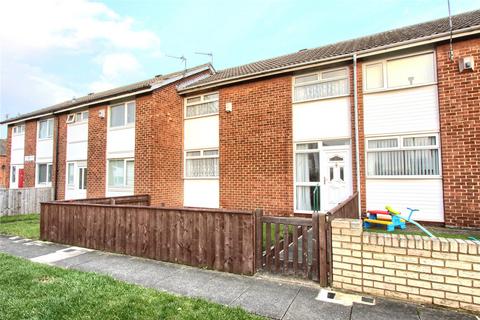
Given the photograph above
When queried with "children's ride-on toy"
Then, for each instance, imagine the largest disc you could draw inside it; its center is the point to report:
(391, 218)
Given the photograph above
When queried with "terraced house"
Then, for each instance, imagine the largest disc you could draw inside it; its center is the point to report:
(393, 115)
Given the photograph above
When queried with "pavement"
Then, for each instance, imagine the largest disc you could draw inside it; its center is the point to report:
(262, 295)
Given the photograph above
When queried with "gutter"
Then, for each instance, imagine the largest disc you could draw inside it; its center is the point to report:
(341, 58)
(357, 147)
(148, 89)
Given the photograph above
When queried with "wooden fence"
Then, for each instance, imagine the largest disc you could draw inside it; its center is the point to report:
(298, 246)
(212, 238)
(23, 201)
(135, 200)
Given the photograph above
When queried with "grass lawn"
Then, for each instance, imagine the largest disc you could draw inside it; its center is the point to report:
(34, 291)
(436, 231)
(27, 225)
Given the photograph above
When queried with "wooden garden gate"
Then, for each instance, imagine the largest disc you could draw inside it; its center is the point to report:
(300, 247)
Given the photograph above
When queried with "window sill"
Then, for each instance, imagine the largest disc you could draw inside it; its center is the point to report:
(323, 98)
(45, 139)
(201, 178)
(120, 189)
(399, 88)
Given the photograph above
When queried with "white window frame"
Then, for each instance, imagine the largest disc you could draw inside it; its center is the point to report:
(50, 122)
(185, 159)
(384, 63)
(71, 186)
(320, 80)
(401, 147)
(202, 101)
(18, 130)
(82, 174)
(124, 186)
(72, 117)
(320, 148)
(125, 123)
(48, 173)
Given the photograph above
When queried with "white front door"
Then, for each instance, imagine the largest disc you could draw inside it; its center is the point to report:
(337, 178)
(76, 180)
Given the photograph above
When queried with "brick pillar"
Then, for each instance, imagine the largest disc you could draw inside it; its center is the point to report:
(97, 148)
(30, 149)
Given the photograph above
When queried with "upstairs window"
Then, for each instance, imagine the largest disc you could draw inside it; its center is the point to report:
(77, 117)
(403, 156)
(45, 129)
(400, 72)
(324, 84)
(203, 105)
(201, 164)
(20, 129)
(122, 115)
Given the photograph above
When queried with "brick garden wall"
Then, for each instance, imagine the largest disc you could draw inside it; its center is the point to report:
(459, 101)
(256, 156)
(439, 271)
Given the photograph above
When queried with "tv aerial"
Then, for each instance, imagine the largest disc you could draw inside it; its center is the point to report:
(182, 58)
(210, 54)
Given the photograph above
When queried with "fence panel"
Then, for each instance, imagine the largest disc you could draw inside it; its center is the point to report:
(211, 238)
(23, 201)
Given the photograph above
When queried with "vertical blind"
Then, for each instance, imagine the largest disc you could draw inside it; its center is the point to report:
(419, 156)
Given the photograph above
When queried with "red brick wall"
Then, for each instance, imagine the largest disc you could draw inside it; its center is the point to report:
(256, 156)
(97, 147)
(3, 171)
(159, 146)
(62, 156)
(361, 137)
(9, 154)
(459, 101)
(30, 149)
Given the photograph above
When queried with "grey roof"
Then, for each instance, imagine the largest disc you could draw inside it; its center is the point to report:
(395, 36)
(3, 147)
(157, 81)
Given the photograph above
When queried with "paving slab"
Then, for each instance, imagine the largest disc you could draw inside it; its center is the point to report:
(28, 249)
(384, 309)
(267, 298)
(439, 314)
(308, 307)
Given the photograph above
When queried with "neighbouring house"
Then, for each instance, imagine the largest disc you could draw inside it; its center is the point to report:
(3, 163)
(392, 115)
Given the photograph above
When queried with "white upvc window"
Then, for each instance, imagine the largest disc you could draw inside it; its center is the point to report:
(403, 156)
(13, 174)
(202, 163)
(20, 129)
(322, 84)
(71, 175)
(44, 174)
(122, 115)
(77, 117)
(45, 129)
(121, 173)
(400, 72)
(307, 175)
(203, 105)
(82, 178)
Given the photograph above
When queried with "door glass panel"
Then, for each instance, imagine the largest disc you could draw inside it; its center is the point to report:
(342, 174)
(336, 158)
(331, 173)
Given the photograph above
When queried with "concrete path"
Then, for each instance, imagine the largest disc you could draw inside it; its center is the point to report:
(260, 295)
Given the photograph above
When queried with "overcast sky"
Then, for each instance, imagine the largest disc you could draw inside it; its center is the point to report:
(51, 51)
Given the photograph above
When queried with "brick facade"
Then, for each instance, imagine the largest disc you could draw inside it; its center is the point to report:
(8, 149)
(256, 147)
(60, 169)
(97, 148)
(459, 100)
(3, 171)
(159, 146)
(30, 150)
